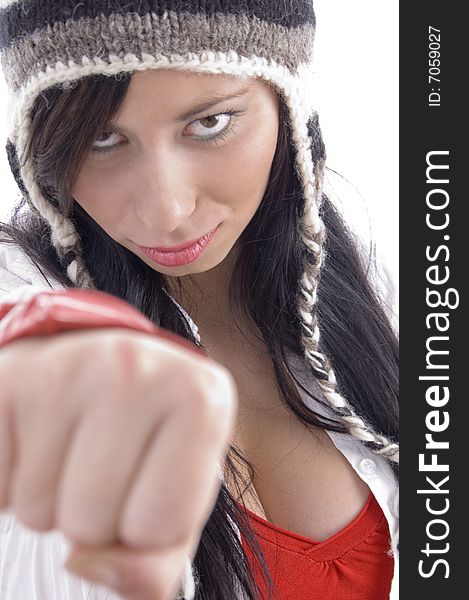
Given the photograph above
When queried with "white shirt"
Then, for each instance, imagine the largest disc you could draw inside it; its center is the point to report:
(31, 562)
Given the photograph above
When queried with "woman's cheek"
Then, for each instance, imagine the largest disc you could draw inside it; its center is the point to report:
(252, 172)
(249, 165)
(102, 197)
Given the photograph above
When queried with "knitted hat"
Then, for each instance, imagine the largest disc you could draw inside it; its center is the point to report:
(45, 43)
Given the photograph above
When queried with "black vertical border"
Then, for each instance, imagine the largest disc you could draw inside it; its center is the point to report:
(424, 129)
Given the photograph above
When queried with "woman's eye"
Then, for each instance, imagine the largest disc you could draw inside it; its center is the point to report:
(212, 126)
(102, 145)
(218, 126)
(207, 129)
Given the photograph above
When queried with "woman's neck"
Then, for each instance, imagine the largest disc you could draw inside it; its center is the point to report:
(205, 296)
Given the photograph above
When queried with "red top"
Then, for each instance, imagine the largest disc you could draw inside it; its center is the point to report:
(353, 564)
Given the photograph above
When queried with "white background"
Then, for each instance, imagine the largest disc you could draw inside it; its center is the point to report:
(355, 82)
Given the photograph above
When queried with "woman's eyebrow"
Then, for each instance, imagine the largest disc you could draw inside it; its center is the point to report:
(205, 102)
(210, 100)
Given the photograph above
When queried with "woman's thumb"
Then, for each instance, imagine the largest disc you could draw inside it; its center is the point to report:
(134, 575)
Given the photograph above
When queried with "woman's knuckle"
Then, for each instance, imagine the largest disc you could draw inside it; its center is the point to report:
(132, 580)
(33, 514)
(221, 395)
(118, 353)
(168, 532)
(75, 530)
(138, 533)
(166, 524)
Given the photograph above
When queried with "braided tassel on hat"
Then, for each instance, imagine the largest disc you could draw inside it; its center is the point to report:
(313, 238)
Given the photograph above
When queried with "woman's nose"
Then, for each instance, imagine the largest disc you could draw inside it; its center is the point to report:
(165, 198)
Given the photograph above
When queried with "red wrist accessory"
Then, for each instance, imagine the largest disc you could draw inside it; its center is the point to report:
(49, 312)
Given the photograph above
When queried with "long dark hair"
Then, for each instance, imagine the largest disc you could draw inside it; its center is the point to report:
(356, 333)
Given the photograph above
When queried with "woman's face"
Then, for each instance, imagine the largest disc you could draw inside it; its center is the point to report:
(172, 177)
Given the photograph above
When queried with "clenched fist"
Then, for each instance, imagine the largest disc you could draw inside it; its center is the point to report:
(115, 438)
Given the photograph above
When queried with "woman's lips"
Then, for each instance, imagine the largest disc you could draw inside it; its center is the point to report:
(177, 255)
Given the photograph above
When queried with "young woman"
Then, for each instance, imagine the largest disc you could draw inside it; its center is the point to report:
(215, 413)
